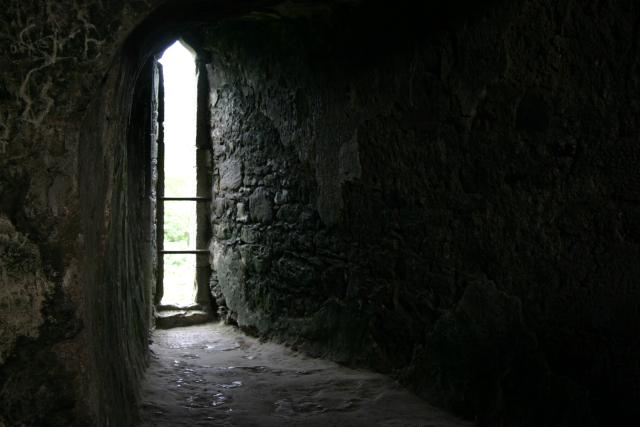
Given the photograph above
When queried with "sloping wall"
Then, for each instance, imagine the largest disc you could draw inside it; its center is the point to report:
(63, 201)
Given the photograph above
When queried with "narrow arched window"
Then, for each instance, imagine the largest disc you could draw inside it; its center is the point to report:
(183, 185)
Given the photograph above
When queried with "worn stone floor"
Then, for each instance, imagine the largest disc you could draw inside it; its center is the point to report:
(212, 374)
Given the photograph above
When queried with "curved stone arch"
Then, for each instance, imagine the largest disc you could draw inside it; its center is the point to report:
(116, 267)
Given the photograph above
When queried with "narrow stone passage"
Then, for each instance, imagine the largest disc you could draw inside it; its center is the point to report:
(212, 374)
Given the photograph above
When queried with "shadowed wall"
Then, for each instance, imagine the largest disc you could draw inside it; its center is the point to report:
(449, 194)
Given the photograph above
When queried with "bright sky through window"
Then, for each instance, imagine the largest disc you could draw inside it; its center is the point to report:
(180, 95)
(180, 101)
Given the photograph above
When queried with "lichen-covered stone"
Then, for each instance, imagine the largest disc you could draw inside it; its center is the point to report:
(24, 288)
(54, 58)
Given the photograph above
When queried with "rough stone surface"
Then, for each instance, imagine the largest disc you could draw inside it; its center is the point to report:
(260, 207)
(231, 174)
(54, 56)
(461, 209)
(23, 288)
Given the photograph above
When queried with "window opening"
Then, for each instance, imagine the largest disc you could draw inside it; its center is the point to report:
(178, 251)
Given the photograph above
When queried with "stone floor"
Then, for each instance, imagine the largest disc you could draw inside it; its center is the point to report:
(212, 374)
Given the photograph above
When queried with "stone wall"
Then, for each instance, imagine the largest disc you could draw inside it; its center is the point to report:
(73, 326)
(280, 259)
(448, 193)
(446, 197)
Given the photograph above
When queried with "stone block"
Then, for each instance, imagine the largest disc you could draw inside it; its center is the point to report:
(230, 174)
(218, 206)
(281, 197)
(250, 235)
(260, 207)
(288, 213)
(241, 213)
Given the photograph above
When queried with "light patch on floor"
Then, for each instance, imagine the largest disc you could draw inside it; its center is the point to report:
(214, 375)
